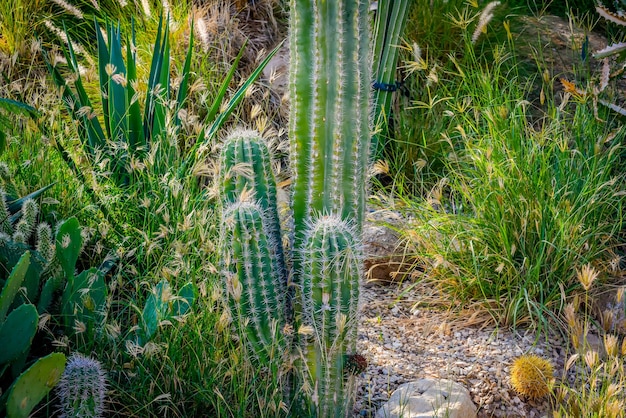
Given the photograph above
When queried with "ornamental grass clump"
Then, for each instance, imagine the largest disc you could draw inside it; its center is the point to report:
(594, 376)
(531, 376)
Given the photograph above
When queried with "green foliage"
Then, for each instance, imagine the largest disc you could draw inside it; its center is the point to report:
(34, 384)
(163, 305)
(389, 25)
(520, 208)
(123, 123)
(17, 332)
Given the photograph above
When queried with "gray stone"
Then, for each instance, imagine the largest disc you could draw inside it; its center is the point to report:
(429, 398)
(382, 249)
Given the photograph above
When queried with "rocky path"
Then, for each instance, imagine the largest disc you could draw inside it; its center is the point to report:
(403, 343)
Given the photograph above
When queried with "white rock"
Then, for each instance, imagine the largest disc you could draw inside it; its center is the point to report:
(427, 398)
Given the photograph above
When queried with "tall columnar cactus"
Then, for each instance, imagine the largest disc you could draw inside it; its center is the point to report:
(330, 141)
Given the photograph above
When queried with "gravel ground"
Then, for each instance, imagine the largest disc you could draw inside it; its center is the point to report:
(403, 344)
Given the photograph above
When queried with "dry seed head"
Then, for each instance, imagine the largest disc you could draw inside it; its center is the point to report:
(610, 345)
(607, 320)
(591, 358)
(69, 8)
(530, 376)
(586, 276)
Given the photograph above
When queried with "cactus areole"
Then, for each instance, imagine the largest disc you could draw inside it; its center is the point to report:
(319, 272)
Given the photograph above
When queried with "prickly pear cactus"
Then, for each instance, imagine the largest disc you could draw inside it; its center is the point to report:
(34, 384)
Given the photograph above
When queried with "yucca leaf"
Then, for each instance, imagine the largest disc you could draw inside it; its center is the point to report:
(163, 89)
(14, 106)
(117, 89)
(184, 84)
(239, 95)
(95, 134)
(204, 137)
(153, 78)
(15, 204)
(135, 128)
(67, 96)
(103, 60)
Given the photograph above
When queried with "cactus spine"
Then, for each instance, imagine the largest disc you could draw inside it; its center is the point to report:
(330, 140)
(82, 388)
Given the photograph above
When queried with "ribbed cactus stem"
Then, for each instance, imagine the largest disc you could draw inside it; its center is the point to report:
(82, 388)
(27, 222)
(5, 216)
(246, 167)
(330, 276)
(254, 287)
(330, 87)
(45, 243)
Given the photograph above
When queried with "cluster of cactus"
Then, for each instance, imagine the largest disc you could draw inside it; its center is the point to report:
(82, 388)
(52, 261)
(312, 283)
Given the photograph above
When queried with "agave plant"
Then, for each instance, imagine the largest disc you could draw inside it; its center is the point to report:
(122, 133)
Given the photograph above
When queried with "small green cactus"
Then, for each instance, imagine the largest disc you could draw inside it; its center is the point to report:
(330, 289)
(45, 245)
(5, 216)
(82, 388)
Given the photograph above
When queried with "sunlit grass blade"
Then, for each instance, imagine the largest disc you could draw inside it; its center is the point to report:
(14, 204)
(210, 117)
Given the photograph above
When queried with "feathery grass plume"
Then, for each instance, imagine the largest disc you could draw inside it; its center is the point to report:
(82, 388)
(146, 8)
(531, 375)
(586, 276)
(73, 10)
(483, 20)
